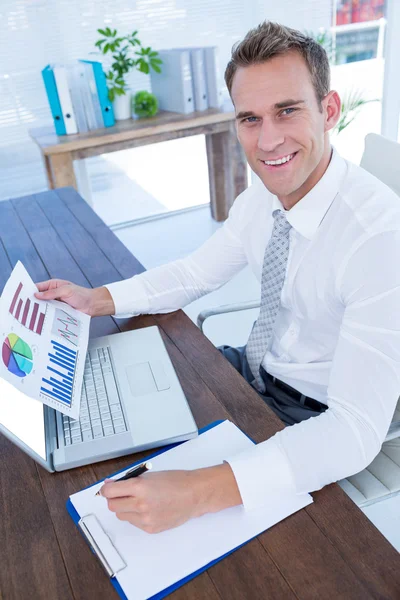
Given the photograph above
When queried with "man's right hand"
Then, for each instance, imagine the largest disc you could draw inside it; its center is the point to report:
(94, 302)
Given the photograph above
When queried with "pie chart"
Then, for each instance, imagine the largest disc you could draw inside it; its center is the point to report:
(17, 355)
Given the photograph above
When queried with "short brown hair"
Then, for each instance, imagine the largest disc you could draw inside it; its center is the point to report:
(272, 39)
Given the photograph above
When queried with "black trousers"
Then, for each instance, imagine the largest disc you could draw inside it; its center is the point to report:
(287, 407)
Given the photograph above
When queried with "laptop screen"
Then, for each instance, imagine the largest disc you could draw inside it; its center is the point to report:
(23, 416)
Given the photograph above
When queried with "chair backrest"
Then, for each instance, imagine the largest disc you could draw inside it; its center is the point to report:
(381, 157)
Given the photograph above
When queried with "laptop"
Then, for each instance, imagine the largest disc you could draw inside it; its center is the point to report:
(131, 400)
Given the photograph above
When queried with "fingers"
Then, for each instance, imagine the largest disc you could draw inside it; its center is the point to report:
(58, 293)
(126, 505)
(119, 489)
(42, 286)
(145, 523)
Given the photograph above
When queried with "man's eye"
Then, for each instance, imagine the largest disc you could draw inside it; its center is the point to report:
(286, 109)
(249, 119)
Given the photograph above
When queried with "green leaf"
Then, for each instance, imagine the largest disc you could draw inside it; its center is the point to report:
(144, 68)
(108, 31)
(111, 94)
(155, 68)
(114, 33)
(106, 48)
(101, 31)
(153, 53)
(158, 61)
(134, 33)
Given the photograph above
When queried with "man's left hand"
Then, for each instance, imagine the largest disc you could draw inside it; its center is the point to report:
(166, 499)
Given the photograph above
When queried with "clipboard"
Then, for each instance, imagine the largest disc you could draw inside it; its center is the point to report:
(103, 559)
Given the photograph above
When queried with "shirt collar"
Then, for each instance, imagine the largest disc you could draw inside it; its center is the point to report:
(306, 216)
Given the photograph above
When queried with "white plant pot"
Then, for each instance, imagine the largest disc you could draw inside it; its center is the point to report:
(122, 107)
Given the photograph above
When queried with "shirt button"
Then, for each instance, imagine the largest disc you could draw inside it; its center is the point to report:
(292, 332)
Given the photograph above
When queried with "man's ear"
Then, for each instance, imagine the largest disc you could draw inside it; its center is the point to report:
(332, 105)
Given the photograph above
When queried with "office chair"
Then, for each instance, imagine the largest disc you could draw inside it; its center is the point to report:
(381, 479)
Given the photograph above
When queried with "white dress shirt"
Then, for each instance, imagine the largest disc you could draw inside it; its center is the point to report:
(337, 335)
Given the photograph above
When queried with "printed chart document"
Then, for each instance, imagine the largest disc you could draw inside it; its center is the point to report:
(43, 345)
(146, 564)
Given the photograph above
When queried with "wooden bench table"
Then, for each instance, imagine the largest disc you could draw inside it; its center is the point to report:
(227, 167)
(327, 551)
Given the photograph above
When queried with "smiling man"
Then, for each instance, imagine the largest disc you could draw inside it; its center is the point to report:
(323, 238)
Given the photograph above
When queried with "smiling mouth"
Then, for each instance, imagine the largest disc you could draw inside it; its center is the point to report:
(280, 163)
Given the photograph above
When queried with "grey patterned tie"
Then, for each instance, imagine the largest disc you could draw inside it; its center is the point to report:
(273, 276)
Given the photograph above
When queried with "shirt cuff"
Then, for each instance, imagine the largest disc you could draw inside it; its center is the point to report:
(263, 474)
(130, 297)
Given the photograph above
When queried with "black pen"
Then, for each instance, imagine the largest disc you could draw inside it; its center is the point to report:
(135, 472)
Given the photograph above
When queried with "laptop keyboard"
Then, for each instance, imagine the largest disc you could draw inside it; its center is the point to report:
(101, 412)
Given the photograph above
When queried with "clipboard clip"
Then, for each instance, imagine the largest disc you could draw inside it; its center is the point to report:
(101, 545)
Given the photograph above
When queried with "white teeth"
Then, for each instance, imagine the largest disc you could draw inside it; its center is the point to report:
(279, 161)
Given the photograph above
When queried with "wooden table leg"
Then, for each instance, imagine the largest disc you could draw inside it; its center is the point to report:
(238, 164)
(84, 187)
(49, 175)
(62, 169)
(227, 169)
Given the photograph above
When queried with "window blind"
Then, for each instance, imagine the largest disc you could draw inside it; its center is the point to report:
(38, 32)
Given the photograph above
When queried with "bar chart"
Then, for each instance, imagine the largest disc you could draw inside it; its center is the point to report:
(61, 371)
(27, 312)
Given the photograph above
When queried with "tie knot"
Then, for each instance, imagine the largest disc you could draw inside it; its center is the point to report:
(281, 224)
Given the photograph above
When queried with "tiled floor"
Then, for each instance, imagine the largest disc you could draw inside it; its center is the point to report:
(180, 234)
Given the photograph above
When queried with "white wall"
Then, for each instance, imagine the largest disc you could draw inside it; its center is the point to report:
(38, 32)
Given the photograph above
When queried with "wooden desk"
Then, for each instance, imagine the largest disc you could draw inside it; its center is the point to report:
(227, 167)
(327, 551)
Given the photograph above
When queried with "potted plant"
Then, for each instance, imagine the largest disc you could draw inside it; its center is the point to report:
(127, 53)
(352, 102)
(144, 104)
(353, 99)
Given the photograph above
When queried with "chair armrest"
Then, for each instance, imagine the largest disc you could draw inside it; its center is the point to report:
(225, 308)
(394, 431)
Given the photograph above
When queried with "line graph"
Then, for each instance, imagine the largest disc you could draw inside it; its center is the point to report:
(66, 327)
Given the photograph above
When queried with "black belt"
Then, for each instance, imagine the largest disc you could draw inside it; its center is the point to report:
(303, 400)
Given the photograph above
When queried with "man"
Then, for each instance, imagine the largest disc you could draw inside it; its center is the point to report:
(323, 238)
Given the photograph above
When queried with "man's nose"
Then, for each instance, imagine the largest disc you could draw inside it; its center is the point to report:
(271, 136)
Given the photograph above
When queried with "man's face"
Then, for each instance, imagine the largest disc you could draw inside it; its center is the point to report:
(278, 116)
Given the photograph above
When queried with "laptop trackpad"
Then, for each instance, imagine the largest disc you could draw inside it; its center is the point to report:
(145, 379)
